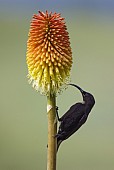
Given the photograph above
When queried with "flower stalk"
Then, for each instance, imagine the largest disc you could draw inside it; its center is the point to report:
(52, 131)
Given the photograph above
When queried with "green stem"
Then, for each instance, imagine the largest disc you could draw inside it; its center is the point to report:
(52, 131)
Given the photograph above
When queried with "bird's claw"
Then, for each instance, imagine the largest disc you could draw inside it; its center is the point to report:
(57, 108)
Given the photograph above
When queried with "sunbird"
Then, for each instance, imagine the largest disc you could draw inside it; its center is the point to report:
(75, 117)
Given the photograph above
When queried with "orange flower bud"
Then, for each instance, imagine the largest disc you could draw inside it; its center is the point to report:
(49, 56)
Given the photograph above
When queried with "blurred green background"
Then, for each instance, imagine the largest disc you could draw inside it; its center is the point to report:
(23, 119)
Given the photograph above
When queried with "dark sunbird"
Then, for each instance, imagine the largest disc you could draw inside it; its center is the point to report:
(75, 117)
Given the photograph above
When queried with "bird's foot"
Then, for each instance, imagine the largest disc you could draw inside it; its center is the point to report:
(59, 119)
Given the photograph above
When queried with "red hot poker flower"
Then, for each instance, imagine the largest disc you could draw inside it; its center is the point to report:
(49, 56)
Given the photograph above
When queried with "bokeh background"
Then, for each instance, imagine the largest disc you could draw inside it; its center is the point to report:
(23, 119)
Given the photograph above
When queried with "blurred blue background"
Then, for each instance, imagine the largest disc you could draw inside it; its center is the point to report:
(23, 119)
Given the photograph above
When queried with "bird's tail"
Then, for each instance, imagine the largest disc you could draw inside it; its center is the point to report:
(58, 143)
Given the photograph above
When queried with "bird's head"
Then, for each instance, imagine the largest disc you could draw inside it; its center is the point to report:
(87, 97)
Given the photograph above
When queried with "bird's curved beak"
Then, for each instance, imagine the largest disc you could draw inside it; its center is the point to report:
(77, 88)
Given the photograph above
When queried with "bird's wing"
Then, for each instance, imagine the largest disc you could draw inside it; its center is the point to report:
(72, 120)
(74, 110)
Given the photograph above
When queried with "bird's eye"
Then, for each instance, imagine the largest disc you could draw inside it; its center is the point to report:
(84, 93)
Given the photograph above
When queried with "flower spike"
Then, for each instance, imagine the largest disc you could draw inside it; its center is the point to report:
(49, 55)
